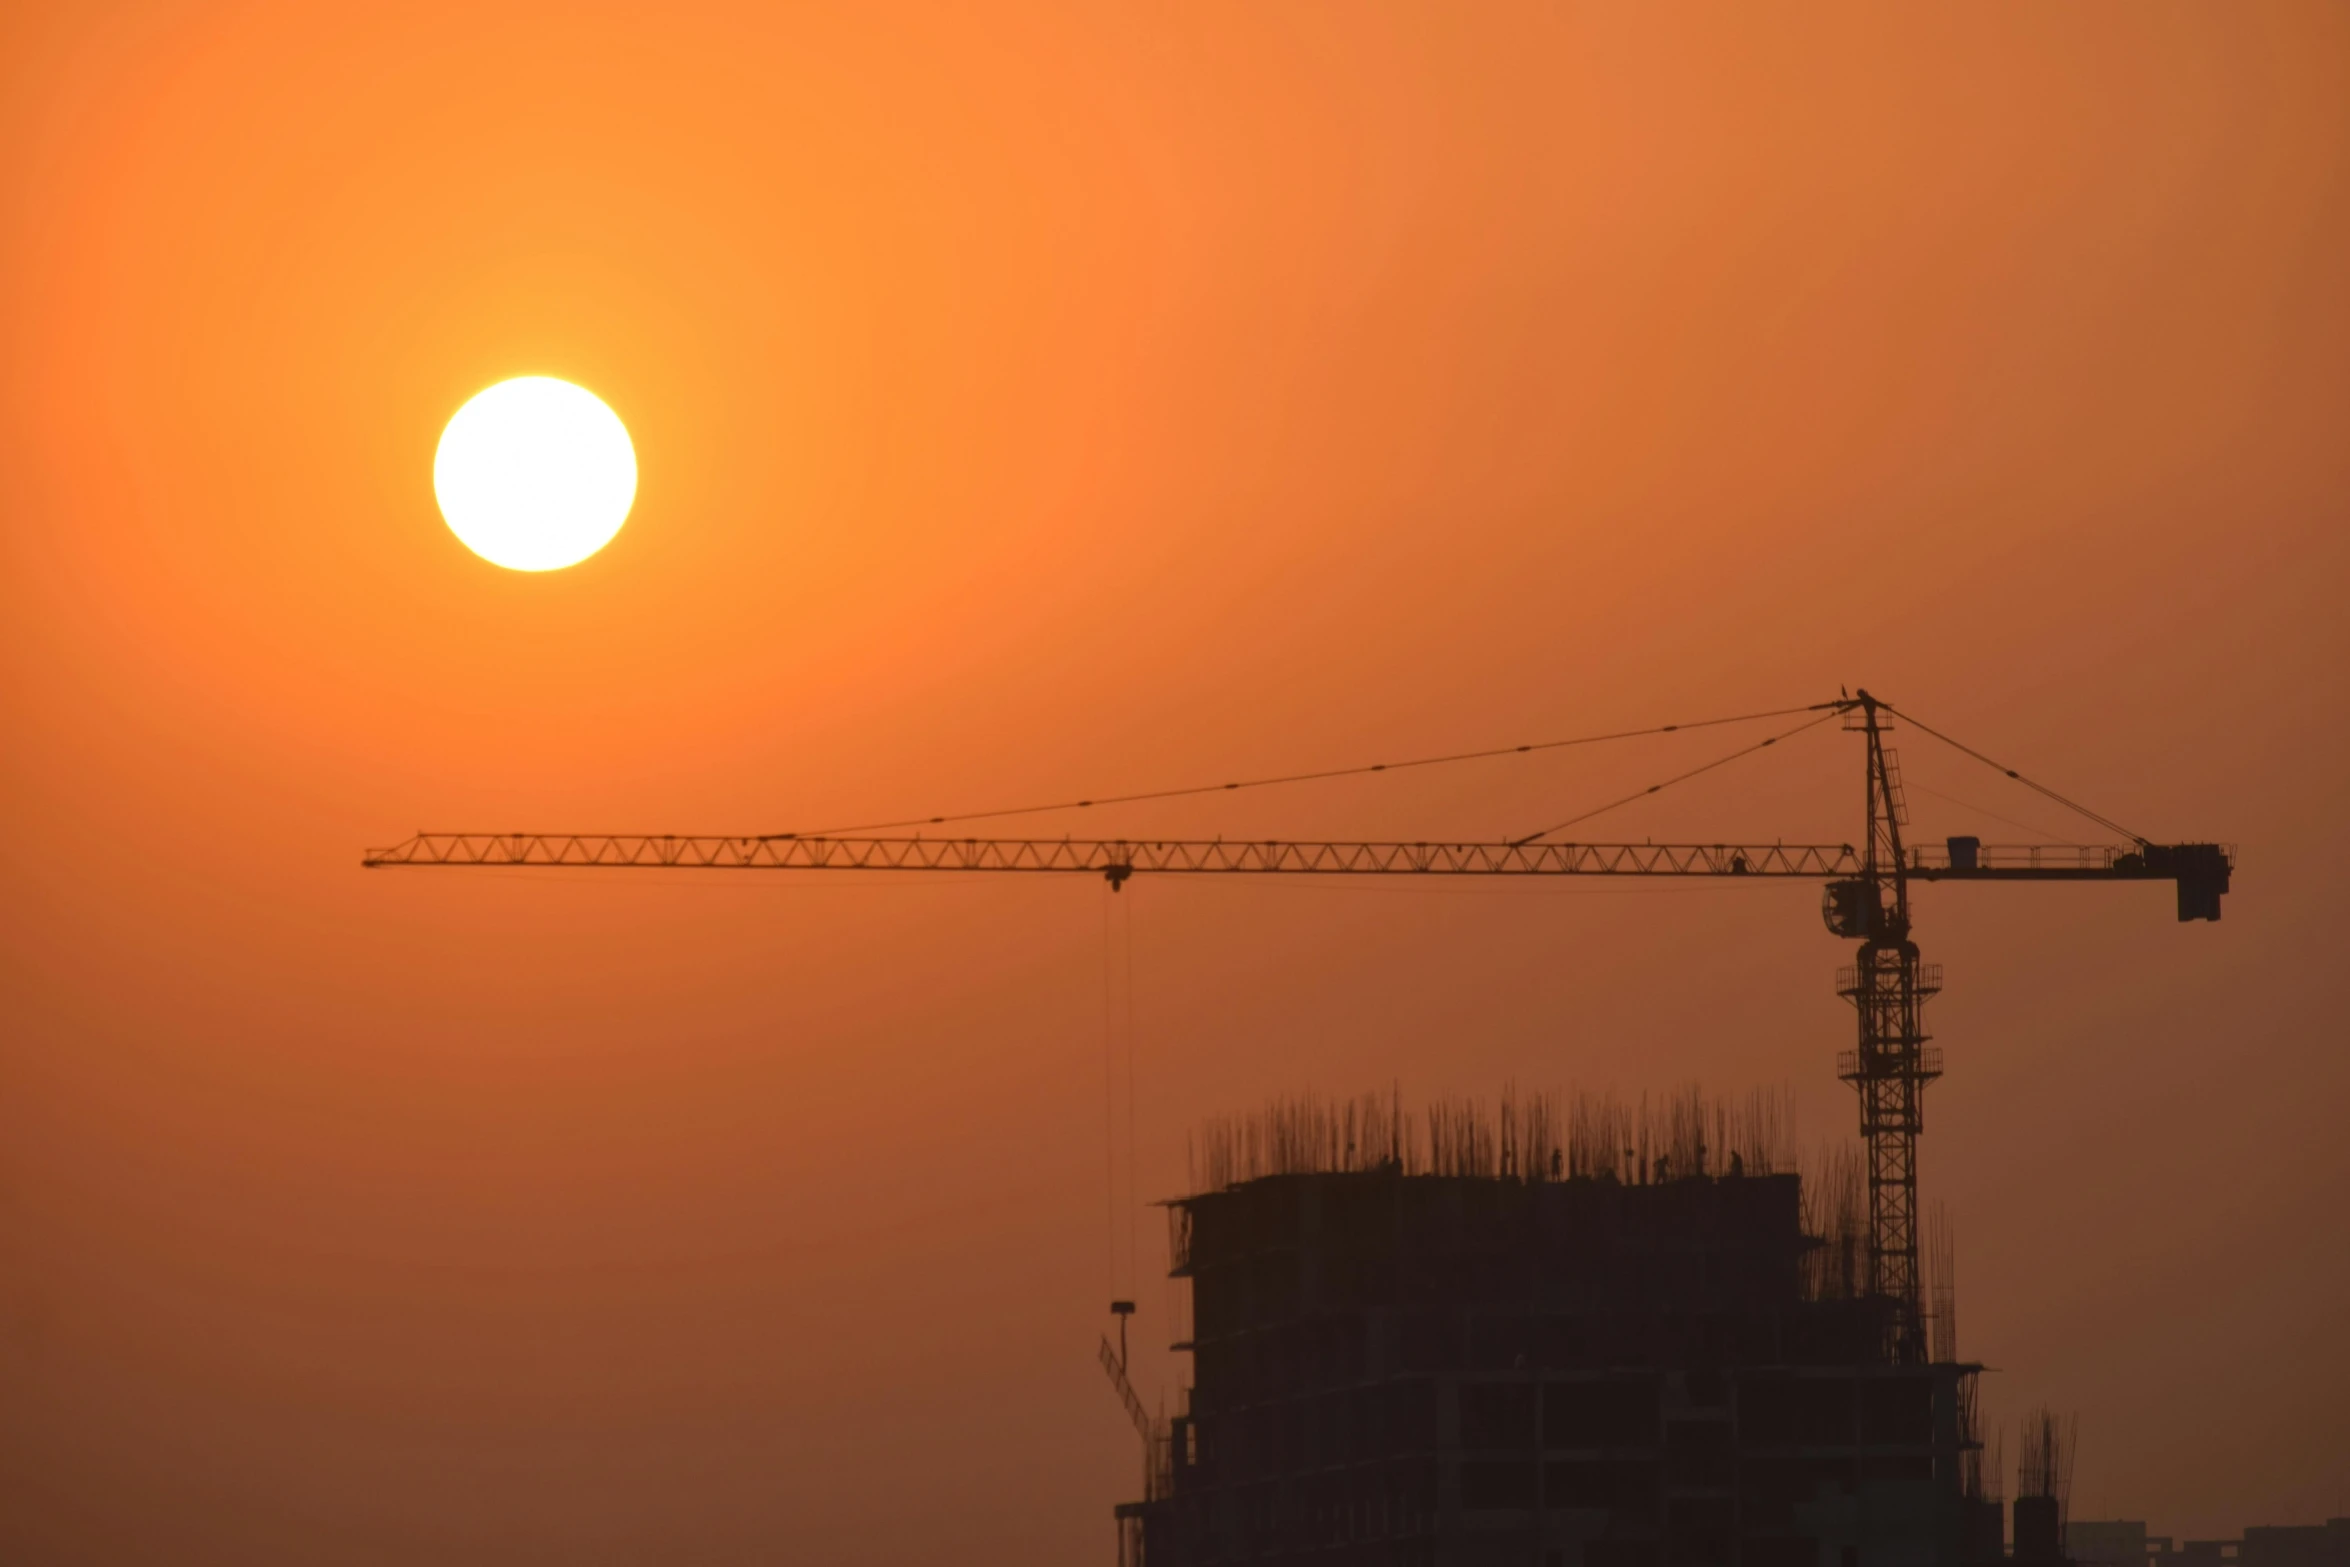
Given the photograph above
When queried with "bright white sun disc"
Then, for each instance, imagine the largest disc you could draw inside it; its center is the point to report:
(535, 474)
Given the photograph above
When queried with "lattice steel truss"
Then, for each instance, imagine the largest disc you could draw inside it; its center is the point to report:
(1892, 1063)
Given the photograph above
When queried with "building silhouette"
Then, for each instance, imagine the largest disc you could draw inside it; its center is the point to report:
(2126, 1543)
(1578, 1336)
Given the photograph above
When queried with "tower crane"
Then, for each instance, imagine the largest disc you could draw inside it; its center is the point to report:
(1866, 898)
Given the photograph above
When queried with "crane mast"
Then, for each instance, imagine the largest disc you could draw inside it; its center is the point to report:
(1866, 899)
(1891, 1065)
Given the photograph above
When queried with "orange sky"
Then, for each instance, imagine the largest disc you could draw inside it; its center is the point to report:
(1035, 401)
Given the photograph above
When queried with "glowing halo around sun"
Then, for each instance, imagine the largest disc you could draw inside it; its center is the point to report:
(535, 474)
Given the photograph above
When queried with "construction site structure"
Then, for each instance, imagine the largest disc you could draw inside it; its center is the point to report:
(2043, 1492)
(1549, 1336)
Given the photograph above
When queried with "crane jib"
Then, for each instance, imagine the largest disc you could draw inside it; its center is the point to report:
(2200, 870)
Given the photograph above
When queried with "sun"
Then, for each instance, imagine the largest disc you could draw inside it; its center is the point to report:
(535, 474)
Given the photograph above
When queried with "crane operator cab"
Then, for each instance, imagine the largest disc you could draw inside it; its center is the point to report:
(1853, 910)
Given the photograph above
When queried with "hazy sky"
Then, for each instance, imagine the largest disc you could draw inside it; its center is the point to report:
(1041, 401)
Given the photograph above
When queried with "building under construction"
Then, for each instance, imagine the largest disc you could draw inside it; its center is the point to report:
(1552, 1335)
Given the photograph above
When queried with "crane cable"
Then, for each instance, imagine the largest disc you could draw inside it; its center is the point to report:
(1825, 710)
(1117, 997)
(1719, 761)
(2106, 822)
(1109, 1096)
(1133, 1136)
(1314, 777)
